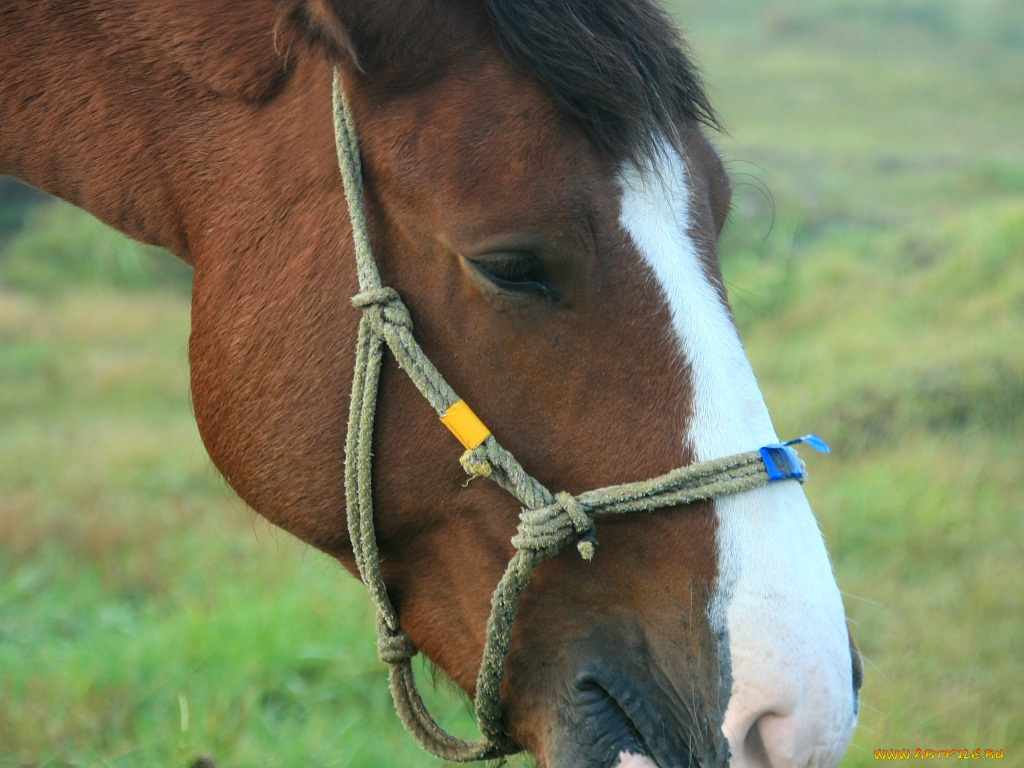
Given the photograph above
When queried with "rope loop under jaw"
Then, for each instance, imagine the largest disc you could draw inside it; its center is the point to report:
(547, 521)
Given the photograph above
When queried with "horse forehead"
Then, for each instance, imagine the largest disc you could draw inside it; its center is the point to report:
(496, 125)
(490, 120)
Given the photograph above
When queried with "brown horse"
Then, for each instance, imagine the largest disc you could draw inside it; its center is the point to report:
(541, 192)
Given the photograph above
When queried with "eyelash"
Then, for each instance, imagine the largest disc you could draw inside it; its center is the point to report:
(516, 272)
(510, 270)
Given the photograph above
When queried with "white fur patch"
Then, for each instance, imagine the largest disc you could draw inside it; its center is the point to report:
(776, 600)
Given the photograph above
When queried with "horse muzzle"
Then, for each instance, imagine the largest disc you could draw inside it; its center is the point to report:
(629, 698)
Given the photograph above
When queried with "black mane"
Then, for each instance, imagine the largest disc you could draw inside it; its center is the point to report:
(619, 66)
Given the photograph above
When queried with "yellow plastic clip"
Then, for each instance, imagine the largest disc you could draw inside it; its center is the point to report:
(465, 425)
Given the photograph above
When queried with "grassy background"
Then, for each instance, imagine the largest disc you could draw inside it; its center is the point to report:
(876, 264)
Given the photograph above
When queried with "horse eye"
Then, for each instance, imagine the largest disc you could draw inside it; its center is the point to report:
(514, 271)
(508, 267)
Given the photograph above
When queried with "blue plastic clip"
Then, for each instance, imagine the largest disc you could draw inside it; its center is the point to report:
(782, 462)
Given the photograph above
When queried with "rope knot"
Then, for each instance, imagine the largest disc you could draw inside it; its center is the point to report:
(574, 512)
(380, 296)
(581, 523)
(394, 646)
(549, 528)
(386, 304)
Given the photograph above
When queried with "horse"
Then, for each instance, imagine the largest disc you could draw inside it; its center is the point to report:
(540, 189)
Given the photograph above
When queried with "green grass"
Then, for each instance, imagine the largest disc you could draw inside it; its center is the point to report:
(876, 264)
(54, 249)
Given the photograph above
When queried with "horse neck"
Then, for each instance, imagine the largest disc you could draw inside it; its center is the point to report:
(153, 135)
(74, 126)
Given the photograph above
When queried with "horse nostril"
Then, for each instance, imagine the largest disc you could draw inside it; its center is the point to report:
(754, 753)
(784, 741)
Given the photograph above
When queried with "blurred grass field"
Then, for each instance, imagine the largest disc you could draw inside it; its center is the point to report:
(875, 260)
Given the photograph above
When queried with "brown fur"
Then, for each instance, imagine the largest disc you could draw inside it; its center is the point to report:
(195, 126)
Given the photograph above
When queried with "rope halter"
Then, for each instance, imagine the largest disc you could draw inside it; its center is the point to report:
(547, 522)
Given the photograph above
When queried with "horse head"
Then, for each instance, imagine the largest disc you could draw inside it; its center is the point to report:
(541, 192)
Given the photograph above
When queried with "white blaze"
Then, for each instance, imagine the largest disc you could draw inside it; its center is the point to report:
(776, 599)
